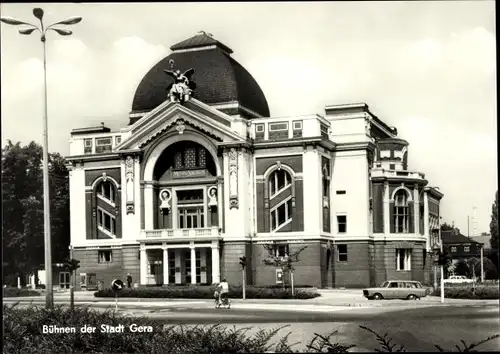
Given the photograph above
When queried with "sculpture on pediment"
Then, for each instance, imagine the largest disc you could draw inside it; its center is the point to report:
(182, 88)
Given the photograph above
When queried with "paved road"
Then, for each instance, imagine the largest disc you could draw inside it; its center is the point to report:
(417, 328)
(416, 324)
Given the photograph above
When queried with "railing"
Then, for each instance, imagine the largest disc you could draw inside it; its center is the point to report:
(379, 172)
(167, 233)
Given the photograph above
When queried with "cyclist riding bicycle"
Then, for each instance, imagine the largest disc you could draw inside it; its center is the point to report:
(223, 291)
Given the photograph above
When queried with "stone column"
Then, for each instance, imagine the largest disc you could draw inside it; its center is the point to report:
(193, 265)
(416, 210)
(165, 266)
(215, 264)
(387, 219)
(143, 266)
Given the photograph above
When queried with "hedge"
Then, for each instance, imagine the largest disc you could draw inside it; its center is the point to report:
(207, 292)
(468, 292)
(23, 333)
(16, 292)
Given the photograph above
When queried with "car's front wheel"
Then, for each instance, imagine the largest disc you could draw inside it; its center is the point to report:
(411, 297)
(377, 297)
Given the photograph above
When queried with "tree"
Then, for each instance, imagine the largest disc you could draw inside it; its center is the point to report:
(22, 219)
(474, 266)
(285, 263)
(494, 224)
(448, 227)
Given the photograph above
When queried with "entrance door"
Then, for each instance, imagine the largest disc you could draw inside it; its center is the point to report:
(157, 271)
(64, 280)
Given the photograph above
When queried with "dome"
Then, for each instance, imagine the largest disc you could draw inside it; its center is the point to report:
(218, 77)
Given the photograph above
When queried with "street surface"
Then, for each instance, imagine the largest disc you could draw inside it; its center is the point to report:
(418, 325)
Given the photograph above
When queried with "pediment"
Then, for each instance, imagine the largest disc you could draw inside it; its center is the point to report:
(172, 115)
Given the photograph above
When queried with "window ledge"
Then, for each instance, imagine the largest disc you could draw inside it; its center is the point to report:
(100, 196)
(106, 232)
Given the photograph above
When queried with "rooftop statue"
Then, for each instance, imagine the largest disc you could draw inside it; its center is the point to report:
(182, 87)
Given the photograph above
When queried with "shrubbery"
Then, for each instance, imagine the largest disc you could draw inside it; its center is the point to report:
(15, 292)
(23, 333)
(207, 292)
(287, 286)
(469, 292)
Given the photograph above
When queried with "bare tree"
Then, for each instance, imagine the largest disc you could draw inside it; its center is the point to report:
(285, 263)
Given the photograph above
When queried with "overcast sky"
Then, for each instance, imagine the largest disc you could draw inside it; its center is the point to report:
(428, 68)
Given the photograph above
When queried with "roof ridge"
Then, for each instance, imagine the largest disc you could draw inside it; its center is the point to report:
(201, 39)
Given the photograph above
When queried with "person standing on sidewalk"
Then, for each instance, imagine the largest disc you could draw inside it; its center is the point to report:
(129, 280)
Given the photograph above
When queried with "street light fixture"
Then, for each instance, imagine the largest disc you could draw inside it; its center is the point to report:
(38, 13)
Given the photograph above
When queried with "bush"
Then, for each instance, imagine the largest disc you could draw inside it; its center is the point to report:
(206, 292)
(15, 292)
(482, 292)
(287, 286)
(23, 333)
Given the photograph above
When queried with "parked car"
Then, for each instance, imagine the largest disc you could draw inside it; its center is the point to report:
(458, 279)
(397, 289)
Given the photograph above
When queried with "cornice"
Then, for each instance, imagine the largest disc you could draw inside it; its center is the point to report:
(266, 144)
(94, 157)
(365, 145)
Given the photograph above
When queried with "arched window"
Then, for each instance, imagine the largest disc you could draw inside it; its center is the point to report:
(279, 181)
(106, 191)
(401, 212)
(106, 208)
(280, 199)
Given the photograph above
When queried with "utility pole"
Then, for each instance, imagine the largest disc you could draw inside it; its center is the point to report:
(474, 221)
(38, 13)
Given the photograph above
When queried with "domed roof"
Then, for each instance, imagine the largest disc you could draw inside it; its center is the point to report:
(218, 77)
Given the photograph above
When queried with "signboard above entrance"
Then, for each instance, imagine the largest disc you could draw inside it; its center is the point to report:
(189, 173)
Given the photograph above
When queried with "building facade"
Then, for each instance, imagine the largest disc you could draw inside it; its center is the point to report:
(203, 175)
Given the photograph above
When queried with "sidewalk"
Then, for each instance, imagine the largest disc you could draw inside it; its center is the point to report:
(337, 298)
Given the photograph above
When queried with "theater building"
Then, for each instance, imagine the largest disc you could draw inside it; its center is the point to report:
(201, 174)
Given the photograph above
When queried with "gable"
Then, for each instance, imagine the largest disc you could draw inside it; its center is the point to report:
(173, 115)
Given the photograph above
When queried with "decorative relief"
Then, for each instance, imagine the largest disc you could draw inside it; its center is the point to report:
(368, 126)
(278, 164)
(212, 197)
(180, 125)
(129, 178)
(165, 197)
(104, 177)
(233, 179)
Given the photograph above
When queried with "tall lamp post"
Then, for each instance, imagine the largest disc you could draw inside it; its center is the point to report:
(38, 13)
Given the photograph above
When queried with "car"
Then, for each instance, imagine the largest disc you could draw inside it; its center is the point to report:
(458, 279)
(397, 289)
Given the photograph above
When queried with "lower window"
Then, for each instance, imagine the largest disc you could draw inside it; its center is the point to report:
(403, 259)
(105, 256)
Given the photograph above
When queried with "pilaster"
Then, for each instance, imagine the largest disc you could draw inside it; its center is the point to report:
(312, 191)
(416, 209)
(386, 208)
(426, 220)
(237, 192)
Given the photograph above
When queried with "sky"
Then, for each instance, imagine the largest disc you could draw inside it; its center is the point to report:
(428, 68)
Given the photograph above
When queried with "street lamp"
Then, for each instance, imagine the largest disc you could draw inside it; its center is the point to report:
(38, 13)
